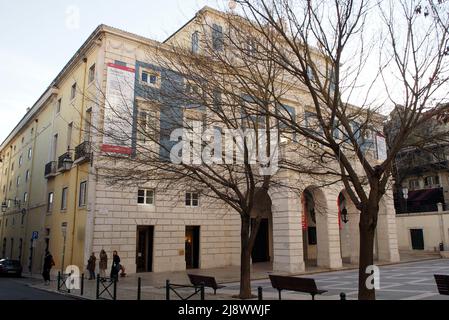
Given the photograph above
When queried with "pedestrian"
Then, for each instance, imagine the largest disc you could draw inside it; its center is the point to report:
(115, 268)
(91, 266)
(103, 265)
(48, 264)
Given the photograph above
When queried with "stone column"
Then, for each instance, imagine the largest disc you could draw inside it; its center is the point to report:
(328, 232)
(287, 232)
(386, 230)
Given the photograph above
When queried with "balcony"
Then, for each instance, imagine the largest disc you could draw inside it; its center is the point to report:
(50, 169)
(65, 162)
(83, 152)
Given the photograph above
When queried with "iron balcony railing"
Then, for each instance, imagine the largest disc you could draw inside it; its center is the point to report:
(50, 168)
(83, 152)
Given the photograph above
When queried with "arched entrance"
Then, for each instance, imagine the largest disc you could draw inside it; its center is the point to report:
(309, 229)
(263, 245)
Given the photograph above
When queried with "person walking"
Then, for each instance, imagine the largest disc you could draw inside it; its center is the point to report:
(115, 268)
(48, 264)
(91, 266)
(103, 265)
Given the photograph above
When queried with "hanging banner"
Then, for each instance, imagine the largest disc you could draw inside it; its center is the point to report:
(381, 147)
(118, 113)
(304, 213)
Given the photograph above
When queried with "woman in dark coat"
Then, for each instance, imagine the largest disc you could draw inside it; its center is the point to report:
(91, 266)
(103, 265)
(115, 268)
(48, 264)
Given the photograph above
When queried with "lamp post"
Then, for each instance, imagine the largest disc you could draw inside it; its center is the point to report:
(344, 215)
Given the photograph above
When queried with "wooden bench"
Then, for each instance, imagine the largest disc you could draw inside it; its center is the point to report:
(208, 281)
(306, 285)
(442, 281)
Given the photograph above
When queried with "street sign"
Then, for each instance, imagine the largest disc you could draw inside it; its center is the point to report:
(35, 235)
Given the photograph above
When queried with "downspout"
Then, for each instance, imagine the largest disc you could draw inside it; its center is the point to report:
(75, 200)
(33, 153)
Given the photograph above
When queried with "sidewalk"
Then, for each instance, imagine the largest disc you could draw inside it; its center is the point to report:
(153, 284)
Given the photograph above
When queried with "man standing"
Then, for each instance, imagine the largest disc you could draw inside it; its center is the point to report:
(48, 264)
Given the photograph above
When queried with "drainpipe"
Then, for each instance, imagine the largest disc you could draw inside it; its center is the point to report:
(75, 200)
(33, 153)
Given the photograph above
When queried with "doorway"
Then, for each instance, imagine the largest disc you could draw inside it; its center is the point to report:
(144, 250)
(417, 237)
(192, 247)
(261, 249)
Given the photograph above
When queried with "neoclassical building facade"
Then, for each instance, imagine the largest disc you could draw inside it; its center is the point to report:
(67, 208)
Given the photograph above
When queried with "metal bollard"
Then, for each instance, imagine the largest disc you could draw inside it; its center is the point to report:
(139, 288)
(115, 290)
(98, 288)
(202, 291)
(342, 296)
(167, 290)
(259, 293)
(82, 284)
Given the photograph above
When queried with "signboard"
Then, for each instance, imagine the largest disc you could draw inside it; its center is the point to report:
(35, 235)
(118, 111)
(381, 147)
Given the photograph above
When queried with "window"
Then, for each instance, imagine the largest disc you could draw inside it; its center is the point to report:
(18, 181)
(92, 73)
(83, 193)
(147, 125)
(30, 153)
(25, 197)
(217, 37)
(20, 160)
(64, 198)
(150, 78)
(58, 105)
(145, 196)
(50, 202)
(195, 42)
(73, 92)
(311, 235)
(431, 181)
(414, 184)
(310, 74)
(69, 134)
(192, 199)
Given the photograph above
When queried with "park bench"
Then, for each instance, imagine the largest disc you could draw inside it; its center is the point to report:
(442, 281)
(207, 281)
(306, 285)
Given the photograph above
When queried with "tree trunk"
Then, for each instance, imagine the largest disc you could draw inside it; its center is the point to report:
(367, 227)
(245, 260)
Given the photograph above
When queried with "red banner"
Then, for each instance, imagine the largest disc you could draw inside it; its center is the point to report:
(304, 213)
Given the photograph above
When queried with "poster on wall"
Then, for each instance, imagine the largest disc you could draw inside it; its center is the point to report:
(118, 113)
(381, 147)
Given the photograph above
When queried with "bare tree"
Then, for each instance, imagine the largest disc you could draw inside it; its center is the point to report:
(410, 70)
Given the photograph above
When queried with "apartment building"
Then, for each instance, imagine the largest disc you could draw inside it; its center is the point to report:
(55, 197)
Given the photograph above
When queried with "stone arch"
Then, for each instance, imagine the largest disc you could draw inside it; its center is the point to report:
(263, 247)
(349, 230)
(314, 226)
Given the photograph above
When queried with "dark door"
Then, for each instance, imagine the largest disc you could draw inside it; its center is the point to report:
(192, 247)
(261, 248)
(417, 239)
(144, 252)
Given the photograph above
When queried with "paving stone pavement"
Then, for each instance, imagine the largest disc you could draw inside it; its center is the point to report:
(404, 281)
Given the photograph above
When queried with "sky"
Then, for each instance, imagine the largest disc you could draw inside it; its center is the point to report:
(37, 38)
